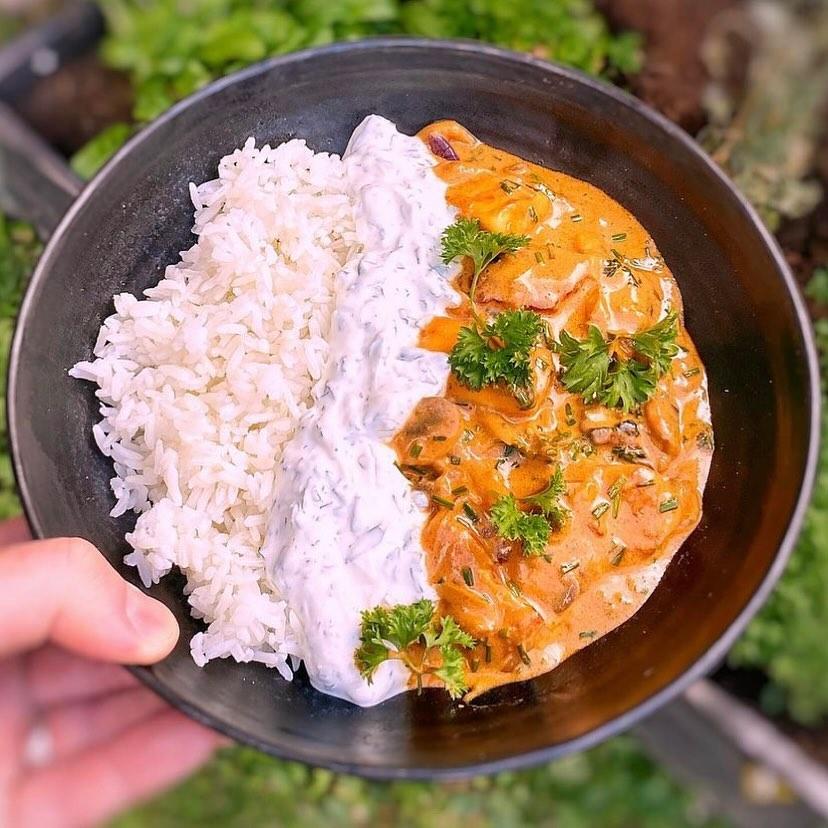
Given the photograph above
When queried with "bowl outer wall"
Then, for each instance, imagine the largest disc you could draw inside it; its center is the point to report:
(742, 309)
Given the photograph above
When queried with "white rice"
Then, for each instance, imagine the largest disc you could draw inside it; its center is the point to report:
(201, 384)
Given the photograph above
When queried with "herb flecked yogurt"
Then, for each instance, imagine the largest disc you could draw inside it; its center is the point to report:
(345, 532)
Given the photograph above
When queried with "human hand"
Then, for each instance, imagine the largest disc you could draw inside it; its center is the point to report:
(80, 738)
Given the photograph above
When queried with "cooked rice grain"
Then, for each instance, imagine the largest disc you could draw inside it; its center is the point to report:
(201, 384)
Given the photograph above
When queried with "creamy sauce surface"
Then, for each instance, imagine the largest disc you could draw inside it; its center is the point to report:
(634, 480)
(345, 531)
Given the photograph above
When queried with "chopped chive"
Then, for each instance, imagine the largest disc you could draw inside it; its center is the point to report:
(587, 634)
(538, 257)
(618, 550)
(570, 416)
(514, 589)
(459, 490)
(508, 186)
(439, 438)
(454, 460)
(569, 567)
(533, 214)
(576, 217)
(692, 372)
(615, 492)
(487, 650)
(468, 576)
(619, 237)
(416, 450)
(632, 454)
(645, 484)
(467, 435)
(442, 501)
(600, 509)
(524, 656)
(669, 505)
(470, 513)
(704, 440)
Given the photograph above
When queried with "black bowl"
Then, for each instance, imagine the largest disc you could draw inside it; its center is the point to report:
(742, 310)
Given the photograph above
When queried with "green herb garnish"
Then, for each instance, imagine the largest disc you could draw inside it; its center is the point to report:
(548, 500)
(524, 656)
(614, 493)
(617, 553)
(470, 513)
(443, 501)
(468, 576)
(499, 351)
(467, 238)
(600, 510)
(669, 505)
(516, 525)
(599, 375)
(413, 634)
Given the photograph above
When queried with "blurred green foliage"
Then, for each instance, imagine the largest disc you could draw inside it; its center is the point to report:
(19, 249)
(788, 637)
(171, 48)
(611, 786)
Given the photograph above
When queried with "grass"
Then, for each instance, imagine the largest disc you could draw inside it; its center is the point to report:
(612, 786)
(171, 48)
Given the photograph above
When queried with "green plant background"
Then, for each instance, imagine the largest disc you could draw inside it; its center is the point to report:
(170, 48)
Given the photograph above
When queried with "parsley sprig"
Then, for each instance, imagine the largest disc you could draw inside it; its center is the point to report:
(497, 350)
(413, 634)
(548, 500)
(513, 524)
(467, 238)
(595, 371)
(532, 530)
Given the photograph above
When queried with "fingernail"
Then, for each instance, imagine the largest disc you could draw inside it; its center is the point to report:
(153, 622)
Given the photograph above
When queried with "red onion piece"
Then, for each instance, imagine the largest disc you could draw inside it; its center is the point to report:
(440, 146)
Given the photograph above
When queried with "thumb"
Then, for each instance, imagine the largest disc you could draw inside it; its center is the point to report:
(63, 590)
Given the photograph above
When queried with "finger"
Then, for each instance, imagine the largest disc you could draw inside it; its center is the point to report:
(14, 530)
(55, 676)
(94, 785)
(15, 711)
(65, 591)
(79, 726)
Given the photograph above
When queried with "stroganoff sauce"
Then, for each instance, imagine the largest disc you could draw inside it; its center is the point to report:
(345, 532)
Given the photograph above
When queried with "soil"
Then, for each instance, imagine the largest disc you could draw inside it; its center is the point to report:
(805, 241)
(674, 76)
(76, 102)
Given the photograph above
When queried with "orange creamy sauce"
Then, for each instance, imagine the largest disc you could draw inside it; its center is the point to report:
(529, 613)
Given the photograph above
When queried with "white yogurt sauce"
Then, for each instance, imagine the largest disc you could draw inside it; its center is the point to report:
(344, 534)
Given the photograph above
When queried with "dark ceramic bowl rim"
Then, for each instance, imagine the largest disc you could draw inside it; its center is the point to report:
(716, 652)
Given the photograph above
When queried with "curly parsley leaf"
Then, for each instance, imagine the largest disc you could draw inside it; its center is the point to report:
(467, 238)
(513, 524)
(500, 352)
(590, 368)
(586, 363)
(412, 634)
(658, 344)
(548, 500)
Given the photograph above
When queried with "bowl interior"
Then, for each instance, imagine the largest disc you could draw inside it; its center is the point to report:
(135, 218)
